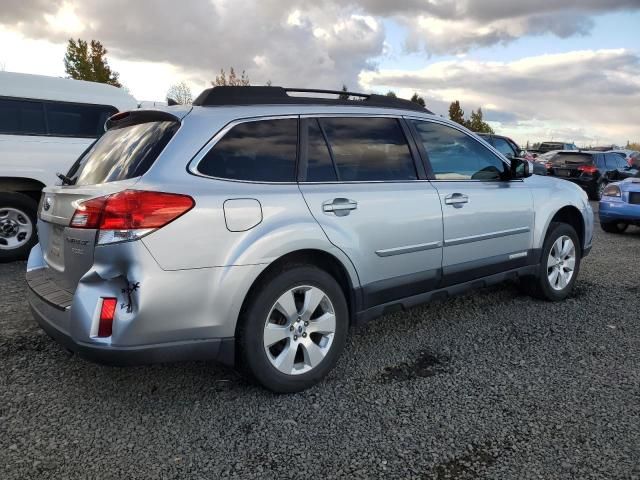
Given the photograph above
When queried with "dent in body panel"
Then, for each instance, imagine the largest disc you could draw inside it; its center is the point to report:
(200, 307)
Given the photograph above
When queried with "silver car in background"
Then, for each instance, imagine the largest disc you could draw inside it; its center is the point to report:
(254, 227)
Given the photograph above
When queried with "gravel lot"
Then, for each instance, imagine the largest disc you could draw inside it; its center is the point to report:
(489, 385)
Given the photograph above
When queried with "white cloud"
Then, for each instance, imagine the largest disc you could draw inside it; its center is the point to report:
(584, 94)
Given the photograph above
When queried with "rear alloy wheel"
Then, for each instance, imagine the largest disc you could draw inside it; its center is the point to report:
(559, 265)
(17, 226)
(614, 227)
(294, 329)
(600, 190)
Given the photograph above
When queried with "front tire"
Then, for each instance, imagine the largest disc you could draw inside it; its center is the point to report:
(614, 227)
(293, 330)
(17, 226)
(559, 265)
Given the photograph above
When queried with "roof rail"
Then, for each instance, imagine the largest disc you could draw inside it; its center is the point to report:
(232, 95)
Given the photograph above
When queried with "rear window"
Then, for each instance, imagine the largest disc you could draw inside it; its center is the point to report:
(567, 158)
(57, 119)
(258, 151)
(122, 153)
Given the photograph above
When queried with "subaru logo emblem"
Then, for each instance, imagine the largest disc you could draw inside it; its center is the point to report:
(47, 204)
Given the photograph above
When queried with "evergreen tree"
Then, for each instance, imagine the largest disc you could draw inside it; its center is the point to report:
(418, 99)
(477, 124)
(89, 62)
(456, 113)
(344, 96)
(391, 94)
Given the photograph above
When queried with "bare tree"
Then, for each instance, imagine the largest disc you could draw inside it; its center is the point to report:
(180, 92)
(223, 80)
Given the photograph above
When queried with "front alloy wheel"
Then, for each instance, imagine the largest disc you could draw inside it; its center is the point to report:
(561, 263)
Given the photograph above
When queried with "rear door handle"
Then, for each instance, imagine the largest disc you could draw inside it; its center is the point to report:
(456, 199)
(339, 206)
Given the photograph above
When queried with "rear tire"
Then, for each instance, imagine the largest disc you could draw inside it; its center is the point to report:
(293, 329)
(17, 226)
(597, 192)
(559, 265)
(614, 227)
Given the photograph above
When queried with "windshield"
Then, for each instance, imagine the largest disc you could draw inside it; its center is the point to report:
(122, 153)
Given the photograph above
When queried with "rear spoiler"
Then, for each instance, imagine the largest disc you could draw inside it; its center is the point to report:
(135, 117)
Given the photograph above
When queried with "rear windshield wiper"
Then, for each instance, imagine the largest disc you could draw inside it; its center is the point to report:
(65, 180)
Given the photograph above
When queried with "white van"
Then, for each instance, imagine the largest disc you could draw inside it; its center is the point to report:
(45, 124)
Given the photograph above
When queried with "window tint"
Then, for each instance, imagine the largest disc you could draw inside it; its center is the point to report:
(369, 149)
(70, 120)
(260, 151)
(122, 153)
(21, 117)
(504, 147)
(319, 165)
(453, 155)
(27, 117)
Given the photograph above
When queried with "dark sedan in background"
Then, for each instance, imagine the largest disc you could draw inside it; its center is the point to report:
(592, 170)
(511, 149)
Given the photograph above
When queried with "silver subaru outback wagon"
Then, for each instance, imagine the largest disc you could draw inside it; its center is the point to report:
(255, 226)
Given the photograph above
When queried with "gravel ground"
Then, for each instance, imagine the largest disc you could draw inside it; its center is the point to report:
(489, 385)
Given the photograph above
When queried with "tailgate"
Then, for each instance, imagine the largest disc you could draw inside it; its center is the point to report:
(68, 252)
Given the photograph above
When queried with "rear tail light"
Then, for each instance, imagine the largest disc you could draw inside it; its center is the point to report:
(130, 214)
(549, 165)
(590, 169)
(107, 312)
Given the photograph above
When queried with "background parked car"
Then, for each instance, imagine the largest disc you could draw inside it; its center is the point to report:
(545, 147)
(591, 170)
(620, 206)
(45, 124)
(628, 155)
(511, 149)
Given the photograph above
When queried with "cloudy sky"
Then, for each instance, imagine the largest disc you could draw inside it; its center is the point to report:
(543, 69)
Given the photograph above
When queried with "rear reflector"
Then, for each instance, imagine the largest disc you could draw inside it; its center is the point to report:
(107, 312)
(130, 213)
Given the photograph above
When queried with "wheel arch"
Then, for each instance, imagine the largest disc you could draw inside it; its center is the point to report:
(570, 215)
(24, 185)
(319, 258)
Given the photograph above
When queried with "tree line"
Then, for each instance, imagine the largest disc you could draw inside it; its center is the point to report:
(88, 61)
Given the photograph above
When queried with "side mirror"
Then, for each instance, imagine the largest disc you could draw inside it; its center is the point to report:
(520, 168)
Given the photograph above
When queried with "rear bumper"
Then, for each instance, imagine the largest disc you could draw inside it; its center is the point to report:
(618, 211)
(49, 319)
(169, 316)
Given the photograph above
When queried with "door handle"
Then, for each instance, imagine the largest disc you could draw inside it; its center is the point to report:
(456, 199)
(339, 206)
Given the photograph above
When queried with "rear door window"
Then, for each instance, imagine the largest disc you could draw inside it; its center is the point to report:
(123, 153)
(257, 151)
(369, 149)
(572, 158)
(22, 117)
